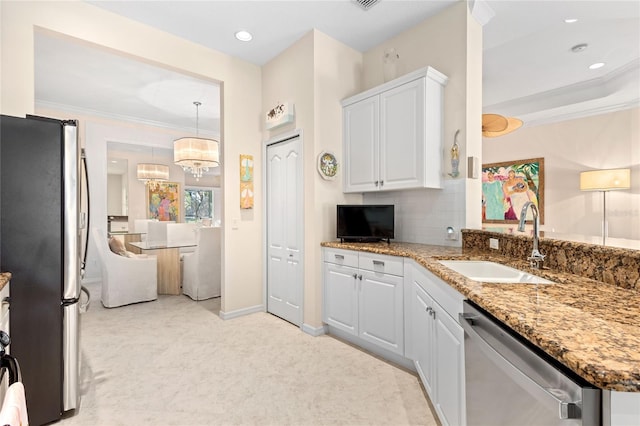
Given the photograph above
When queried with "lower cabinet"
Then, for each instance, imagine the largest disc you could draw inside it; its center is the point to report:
(438, 345)
(378, 301)
(363, 299)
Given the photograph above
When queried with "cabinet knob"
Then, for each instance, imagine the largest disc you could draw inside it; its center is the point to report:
(360, 277)
(381, 183)
(355, 276)
(376, 182)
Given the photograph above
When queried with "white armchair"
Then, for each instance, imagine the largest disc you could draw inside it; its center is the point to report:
(201, 269)
(157, 232)
(182, 233)
(125, 280)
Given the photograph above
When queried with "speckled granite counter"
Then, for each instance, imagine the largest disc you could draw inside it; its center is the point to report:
(5, 277)
(589, 326)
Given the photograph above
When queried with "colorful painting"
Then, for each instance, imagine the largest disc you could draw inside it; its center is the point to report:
(163, 201)
(507, 186)
(246, 181)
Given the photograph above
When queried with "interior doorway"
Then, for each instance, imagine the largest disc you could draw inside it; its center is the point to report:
(285, 228)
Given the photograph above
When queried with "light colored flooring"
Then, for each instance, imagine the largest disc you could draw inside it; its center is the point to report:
(175, 362)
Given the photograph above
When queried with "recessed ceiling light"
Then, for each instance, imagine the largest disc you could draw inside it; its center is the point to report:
(570, 20)
(596, 65)
(243, 35)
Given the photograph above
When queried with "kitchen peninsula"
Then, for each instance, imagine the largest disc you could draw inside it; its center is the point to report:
(589, 320)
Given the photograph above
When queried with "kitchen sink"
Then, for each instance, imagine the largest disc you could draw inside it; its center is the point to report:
(492, 272)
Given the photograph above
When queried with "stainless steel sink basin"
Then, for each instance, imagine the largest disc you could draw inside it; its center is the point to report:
(480, 270)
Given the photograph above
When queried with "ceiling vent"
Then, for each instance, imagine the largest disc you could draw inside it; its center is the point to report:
(366, 4)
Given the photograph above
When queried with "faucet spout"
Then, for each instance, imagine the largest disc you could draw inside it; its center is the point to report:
(536, 257)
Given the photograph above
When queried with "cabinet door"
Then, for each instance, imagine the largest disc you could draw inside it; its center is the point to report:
(402, 136)
(423, 336)
(360, 147)
(380, 320)
(449, 380)
(340, 297)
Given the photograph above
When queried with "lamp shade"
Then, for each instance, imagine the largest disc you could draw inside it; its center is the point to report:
(605, 180)
(196, 154)
(147, 171)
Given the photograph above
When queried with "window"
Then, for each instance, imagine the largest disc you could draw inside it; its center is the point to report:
(198, 204)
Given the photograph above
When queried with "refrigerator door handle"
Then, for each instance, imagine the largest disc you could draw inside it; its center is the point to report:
(71, 237)
(70, 357)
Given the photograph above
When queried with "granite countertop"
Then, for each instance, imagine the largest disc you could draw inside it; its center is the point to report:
(589, 326)
(5, 277)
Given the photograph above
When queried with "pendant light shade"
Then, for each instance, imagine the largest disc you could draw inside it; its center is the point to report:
(152, 174)
(195, 154)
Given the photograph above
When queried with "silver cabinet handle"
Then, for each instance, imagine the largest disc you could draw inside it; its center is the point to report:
(378, 262)
(339, 256)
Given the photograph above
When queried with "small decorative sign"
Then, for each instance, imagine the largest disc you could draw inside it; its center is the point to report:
(281, 114)
(246, 181)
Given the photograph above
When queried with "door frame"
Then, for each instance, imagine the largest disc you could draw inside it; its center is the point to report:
(265, 249)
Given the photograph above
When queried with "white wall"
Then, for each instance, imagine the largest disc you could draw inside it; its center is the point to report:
(568, 148)
(315, 73)
(241, 86)
(451, 42)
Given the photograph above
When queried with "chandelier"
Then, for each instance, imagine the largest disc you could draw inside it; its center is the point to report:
(152, 174)
(195, 154)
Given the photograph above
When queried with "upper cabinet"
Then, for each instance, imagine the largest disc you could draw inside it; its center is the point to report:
(392, 134)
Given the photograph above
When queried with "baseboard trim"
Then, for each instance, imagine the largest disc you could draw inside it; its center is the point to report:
(315, 331)
(241, 312)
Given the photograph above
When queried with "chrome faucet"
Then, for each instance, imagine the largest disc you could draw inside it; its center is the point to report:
(536, 259)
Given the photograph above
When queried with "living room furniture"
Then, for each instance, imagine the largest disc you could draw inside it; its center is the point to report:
(125, 280)
(168, 263)
(201, 278)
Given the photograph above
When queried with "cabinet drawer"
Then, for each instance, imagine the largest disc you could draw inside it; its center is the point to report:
(341, 257)
(383, 264)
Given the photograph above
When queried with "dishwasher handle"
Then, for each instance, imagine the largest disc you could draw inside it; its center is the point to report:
(566, 410)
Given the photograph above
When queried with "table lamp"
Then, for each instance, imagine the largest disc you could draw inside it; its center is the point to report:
(605, 180)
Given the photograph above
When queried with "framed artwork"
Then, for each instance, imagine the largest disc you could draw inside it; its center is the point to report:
(246, 181)
(507, 186)
(163, 201)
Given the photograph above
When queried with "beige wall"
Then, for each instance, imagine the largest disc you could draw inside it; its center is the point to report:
(598, 142)
(315, 74)
(241, 124)
(450, 42)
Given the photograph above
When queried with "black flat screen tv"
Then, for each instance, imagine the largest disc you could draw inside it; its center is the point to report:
(365, 222)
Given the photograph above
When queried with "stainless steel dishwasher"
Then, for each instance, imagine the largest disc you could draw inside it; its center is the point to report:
(510, 382)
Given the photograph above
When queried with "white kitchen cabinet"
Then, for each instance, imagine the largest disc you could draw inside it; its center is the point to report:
(363, 296)
(392, 134)
(437, 344)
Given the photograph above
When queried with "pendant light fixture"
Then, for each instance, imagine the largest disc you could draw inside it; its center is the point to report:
(152, 174)
(196, 155)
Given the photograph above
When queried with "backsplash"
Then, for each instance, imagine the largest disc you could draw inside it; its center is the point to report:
(612, 265)
(423, 215)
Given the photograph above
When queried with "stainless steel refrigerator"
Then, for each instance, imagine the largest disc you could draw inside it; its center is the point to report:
(43, 245)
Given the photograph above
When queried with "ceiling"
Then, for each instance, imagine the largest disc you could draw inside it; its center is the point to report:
(529, 69)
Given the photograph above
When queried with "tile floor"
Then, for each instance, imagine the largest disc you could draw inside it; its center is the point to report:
(175, 362)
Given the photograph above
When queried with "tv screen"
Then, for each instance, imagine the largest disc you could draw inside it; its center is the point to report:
(365, 222)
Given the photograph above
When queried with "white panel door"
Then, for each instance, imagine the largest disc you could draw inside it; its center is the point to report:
(361, 131)
(285, 230)
(402, 136)
(423, 336)
(340, 297)
(380, 317)
(449, 360)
